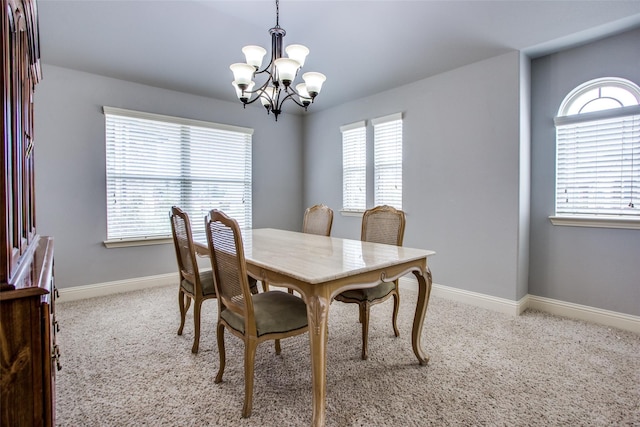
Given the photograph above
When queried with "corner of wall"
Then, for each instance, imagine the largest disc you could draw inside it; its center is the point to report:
(524, 207)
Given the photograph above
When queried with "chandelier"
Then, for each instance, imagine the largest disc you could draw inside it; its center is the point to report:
(280, 73)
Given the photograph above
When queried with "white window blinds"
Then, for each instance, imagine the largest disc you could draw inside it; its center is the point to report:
(155, 162)
(387, 149)
(598, 163)
(354, 167)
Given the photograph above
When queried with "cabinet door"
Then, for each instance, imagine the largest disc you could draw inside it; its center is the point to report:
(20, 73)
(7, 256)
(21, 361)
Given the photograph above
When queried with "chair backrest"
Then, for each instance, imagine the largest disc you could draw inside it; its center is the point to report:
(183, 243)
(383, 224)
(318, 220)
(226, 251)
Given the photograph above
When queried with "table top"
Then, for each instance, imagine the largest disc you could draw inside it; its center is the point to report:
(316, 259)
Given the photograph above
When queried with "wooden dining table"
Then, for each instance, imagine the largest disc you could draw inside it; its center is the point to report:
(319, 268)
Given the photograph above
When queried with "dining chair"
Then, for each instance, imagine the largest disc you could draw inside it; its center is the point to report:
(270, 315)
(382, 224)
(194, 285)
(318, 220)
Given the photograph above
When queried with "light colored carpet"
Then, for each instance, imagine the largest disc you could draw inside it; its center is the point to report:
(124, 365)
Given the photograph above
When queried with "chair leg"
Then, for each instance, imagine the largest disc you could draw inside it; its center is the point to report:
(221, 351)
(197, 306)
(249, 360)
(396, 307)
(253, 285)
(265, 286)
(278, 348)
(183, 310)
(364, 316)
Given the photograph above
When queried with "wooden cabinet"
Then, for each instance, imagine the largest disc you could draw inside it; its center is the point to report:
(29, 354)
(28, 350)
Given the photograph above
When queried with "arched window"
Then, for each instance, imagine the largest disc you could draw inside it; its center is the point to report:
(598, 150)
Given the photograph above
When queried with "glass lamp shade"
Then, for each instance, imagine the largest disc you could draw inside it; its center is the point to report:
(244, 97)
(314, 82)
(254, 55)
(242, 74)
(303, 95)
(297, 52)
(286, 69)
(268, 97)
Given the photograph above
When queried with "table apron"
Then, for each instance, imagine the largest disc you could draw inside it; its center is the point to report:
(330, 289)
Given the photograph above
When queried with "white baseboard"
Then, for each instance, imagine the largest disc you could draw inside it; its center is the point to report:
(614, 319)
(502, 305)
(108, 288)
(582, 312)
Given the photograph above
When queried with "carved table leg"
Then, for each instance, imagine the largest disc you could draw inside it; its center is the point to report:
(318, 315)
(424, 292)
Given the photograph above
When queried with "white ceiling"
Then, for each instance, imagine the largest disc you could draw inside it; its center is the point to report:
(363, 47)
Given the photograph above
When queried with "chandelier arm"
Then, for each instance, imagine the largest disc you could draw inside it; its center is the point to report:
(270, 67)
(267, 69)
(252, 100)
(290, 97)
(261, 89)
(295, 92)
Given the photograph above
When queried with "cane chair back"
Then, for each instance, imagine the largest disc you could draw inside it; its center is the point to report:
(318, 220)
(228, 263)
(382, 224)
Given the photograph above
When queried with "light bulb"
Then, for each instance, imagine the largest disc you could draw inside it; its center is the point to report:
(244, 97)
(242, 74)
(254, 55)
(297, 52)
(303, 95)
(314, 82)
(286, 69)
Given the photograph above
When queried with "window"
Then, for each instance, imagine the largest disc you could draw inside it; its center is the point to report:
(155, 162)
(354, 167)
(598, 151)
(387, 164)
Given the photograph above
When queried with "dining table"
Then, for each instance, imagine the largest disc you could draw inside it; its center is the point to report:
(321, 267)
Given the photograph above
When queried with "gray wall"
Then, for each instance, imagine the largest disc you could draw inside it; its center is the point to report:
(461, 171)
(475, 178)
(70, 170)
(591, 266)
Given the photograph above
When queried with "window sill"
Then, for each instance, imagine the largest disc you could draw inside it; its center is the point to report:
(351, 213)
(138, 241)
(596, 222)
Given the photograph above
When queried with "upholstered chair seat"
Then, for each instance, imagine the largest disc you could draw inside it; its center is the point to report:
(370, 294)
(275, 312)
(206, 280)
